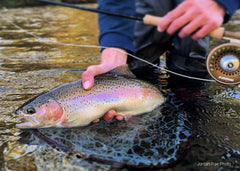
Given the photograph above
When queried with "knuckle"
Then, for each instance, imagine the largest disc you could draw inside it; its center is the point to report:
(201, 10)
(214, 23)
(169, 15)
(197, 10)
(84, 74)
(90, 68)
(176, 24)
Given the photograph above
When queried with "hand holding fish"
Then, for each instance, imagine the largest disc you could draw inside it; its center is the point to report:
(69, 105)
(193, 17)
(110, 59)
(190, 17)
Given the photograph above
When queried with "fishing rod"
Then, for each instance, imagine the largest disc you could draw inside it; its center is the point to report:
(223, 62)
(91, 9)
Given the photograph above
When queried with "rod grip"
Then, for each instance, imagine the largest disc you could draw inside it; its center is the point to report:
(154, 20)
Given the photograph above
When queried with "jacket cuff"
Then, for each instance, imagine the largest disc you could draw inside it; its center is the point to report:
(116, 40)
(230, 7)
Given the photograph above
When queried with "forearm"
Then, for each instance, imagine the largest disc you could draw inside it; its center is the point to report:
(116, 31)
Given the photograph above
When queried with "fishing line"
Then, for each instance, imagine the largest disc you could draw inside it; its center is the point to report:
(45, 40)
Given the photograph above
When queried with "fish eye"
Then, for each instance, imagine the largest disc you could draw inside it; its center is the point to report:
(31, 110)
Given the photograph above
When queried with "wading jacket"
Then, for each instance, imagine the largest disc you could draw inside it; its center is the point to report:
(119, 31)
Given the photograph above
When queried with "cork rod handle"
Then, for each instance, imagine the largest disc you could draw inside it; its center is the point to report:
(154, 20)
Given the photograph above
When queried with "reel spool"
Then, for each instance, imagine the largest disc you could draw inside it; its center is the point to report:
(223, 63)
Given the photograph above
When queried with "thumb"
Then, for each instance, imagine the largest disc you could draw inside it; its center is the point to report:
(87, 79)
(88, 75)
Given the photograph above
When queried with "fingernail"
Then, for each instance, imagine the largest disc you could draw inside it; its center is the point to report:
(86, 85)
(160, 29)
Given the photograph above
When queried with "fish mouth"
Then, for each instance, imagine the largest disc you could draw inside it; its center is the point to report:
(47, 115)
(31, 122)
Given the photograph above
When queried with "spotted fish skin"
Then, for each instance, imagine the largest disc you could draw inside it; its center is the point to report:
(69, 105)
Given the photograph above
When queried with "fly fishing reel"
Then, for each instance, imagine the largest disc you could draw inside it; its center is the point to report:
(223, 63)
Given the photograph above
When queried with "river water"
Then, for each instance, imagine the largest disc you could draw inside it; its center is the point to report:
(30, 66)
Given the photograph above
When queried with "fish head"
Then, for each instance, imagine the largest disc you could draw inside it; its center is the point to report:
(41, 112)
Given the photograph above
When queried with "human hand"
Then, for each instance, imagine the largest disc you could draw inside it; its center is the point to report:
(193, 17)
(110, 59)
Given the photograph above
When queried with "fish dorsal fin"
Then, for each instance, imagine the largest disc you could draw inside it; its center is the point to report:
(123, 70)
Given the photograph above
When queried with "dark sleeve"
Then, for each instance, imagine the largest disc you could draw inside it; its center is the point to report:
(116, 31)
(230, 6)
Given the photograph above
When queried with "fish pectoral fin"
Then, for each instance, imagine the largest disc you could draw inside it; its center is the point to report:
(64, 124)
(125, 115)
(132, 119)
(128, 118)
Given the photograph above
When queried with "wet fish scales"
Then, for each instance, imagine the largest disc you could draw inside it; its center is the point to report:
(70, 105)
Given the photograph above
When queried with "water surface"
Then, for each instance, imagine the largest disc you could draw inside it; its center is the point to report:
(204, 120)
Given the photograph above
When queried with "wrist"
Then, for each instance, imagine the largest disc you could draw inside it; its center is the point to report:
(113, 57)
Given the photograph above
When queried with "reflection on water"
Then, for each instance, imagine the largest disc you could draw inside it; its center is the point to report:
(29, 67)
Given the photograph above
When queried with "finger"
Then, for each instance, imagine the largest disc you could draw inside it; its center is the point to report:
(109, 115)
(170, 17)
(88, 75)
(190, 28)
(179, 23)
(207, 28)
(119, 117)
(88, 79)
(202, 32)
(96, 120)
(166, 21)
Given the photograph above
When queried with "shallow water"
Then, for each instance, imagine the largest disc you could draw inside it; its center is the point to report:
(208, 116)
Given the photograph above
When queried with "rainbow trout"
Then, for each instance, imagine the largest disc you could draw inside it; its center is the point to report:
(69, 105)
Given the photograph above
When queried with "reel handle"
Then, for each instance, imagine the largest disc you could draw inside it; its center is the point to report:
(218, 33)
